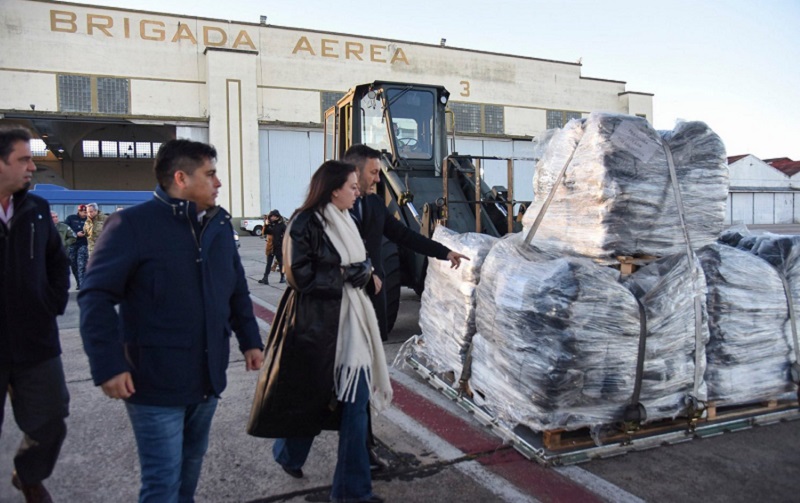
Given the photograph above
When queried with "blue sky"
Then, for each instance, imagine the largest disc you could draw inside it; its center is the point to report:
(734, 64)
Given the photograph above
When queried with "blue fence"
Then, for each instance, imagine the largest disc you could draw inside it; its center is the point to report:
(65, 201)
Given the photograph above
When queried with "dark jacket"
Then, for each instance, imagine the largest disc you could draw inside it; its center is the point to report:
(277, 230)
(34, 285)
(295, 393)
(76, 223)
(181, 290)
(377, 223)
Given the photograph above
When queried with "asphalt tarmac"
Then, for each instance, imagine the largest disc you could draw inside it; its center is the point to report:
(434, 450)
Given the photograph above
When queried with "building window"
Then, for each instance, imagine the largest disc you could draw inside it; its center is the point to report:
(38, 148)
(74, 93)
(91, 148)
(493, 119)
(327, 100)
(476, 118)
(109, 149)
(102, 95)
(559, 118)
(143, 150)
(112, 96)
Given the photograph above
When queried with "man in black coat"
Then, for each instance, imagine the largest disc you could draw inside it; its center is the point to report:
(33, 291)
(375, 222)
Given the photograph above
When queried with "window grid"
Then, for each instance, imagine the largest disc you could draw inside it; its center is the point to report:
(156, 147)
(38, 148)
(327, 100)
(109, 149)
(75, 93)
(112, 95)
(493, 119)
(468, 117)
(126, 149)
(91, 148)
(143, 150)
(559, 118)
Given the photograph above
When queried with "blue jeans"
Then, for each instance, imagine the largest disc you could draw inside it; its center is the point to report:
(171, 442)
(78, 257)
(352, 480)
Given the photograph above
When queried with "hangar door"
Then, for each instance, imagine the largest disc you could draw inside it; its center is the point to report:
(288, 158)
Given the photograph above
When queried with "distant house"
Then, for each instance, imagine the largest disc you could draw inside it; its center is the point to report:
(763, 191)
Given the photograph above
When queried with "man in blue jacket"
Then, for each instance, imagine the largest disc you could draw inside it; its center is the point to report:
(172, 267)
(33, 291)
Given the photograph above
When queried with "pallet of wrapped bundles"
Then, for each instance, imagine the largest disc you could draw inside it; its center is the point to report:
(750, 349)
(558, 339)
(447, 310)
(616, 197)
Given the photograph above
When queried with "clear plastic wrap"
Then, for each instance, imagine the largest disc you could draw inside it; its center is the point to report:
(750, 349)
(616, 197)
(673, 293)
(447, 310)
(557, 339)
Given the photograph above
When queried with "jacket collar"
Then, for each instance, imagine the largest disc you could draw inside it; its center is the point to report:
(181, 207)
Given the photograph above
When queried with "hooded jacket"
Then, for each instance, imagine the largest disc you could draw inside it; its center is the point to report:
(34, 284)
(181, 291)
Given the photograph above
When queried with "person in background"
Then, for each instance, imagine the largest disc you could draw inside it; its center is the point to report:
(64, 231)
(325, 340)
(33, 292)
(171, 266)
(274, 230)
(79, 251)
(93, 227)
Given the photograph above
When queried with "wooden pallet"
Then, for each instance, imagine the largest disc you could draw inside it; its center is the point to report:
(559, 439)
(629, 265)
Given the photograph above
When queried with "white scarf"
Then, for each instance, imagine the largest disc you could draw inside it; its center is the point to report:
(358, 346)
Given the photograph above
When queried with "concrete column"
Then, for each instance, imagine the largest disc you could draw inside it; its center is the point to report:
(233, 127)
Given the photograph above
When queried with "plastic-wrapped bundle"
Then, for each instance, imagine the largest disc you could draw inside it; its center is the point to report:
(447, 310)
(750, 349)
(617, 198)
(557, 339)
(672, 291)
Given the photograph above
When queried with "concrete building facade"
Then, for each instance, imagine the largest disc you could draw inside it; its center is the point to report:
(103, 87)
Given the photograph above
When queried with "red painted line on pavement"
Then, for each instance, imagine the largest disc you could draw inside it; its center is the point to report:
(542, 483)
(263, 313)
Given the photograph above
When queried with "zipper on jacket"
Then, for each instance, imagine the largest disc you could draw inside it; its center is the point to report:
(33, 234)
(194, 235)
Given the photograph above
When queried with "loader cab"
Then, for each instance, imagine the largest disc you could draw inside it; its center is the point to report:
(406, 121)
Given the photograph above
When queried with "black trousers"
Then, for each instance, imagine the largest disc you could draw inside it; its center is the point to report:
(40, 401)
(270, 258)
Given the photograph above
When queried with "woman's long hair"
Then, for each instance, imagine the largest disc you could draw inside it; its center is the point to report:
(331, 175)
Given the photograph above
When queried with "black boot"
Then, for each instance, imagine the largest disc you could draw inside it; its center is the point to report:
(283, 279)
(264, 281)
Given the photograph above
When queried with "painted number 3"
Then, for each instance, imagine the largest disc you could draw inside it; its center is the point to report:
(464, 88)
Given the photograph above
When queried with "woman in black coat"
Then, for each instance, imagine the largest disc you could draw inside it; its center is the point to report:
(325, 359)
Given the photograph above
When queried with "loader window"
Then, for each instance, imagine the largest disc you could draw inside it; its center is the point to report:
(373, 126)
(412, 119)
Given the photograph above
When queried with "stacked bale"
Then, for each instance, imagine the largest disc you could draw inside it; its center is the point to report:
(447, 311)
(617, 198)
(750, 349)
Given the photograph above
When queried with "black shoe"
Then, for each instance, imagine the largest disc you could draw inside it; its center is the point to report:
(264, 281)
(283, 280)
(34, 493)
(294, 472)
(372, 499)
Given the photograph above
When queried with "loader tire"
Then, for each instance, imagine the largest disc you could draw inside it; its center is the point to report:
(391, 282)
